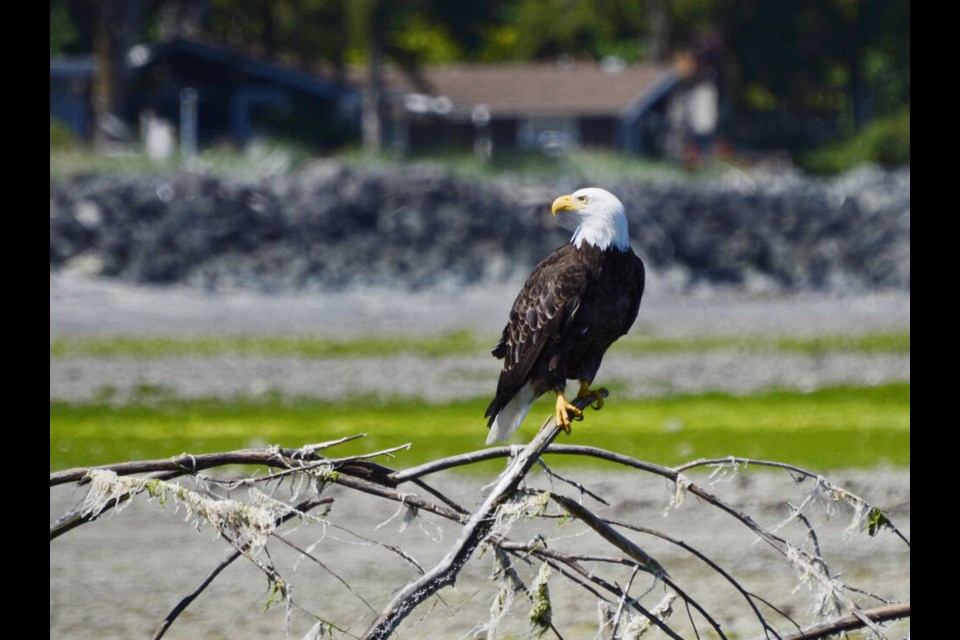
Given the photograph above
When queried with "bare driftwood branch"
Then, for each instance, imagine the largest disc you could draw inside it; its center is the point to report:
(608, 533)
(474, 532)
(851, 622)
(74, 519)
(186, 463)
(643, 559)
(784, 547)
(572, 562)
(713, 565)
(223, 564)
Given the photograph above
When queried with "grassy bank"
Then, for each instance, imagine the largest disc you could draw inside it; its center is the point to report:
(457, 343)
(280, 157)
(826, 429)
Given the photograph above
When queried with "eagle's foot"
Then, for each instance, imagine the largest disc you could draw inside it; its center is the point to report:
(596, 394)
(564, 411)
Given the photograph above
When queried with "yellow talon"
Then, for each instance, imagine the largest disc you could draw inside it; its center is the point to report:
(596, 394)
(564, 410)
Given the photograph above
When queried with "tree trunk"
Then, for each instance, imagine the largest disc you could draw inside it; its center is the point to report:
(659, 26)
(114, 26)
(373, 92)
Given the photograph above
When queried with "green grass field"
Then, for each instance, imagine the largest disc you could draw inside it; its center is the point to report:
(69, 159)
(826, 429)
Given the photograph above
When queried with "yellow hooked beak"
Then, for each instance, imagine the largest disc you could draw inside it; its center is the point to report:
(566, 203)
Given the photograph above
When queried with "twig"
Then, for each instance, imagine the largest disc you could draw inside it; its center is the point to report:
(773, 540)
(185, 464)
(620, 603)
(580, 450)
(713, 565)
(707, 462)
(451, 462)
(437, 494)
(73, 519)
(303, 507)
(850, 622)
(475, 530)
(311, 449)
(190, 597)
(574, 560)
(573, 483)
(320, 564)
(610, 534)
(571, 562)
(392, 548)
(404, 498)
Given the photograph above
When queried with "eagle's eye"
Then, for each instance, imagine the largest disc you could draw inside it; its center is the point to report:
(582, 198)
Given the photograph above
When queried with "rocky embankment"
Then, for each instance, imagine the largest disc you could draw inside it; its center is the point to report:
(331, 227)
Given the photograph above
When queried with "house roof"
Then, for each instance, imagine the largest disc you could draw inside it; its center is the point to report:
(539, 89)
(545, 89)
(252, 64)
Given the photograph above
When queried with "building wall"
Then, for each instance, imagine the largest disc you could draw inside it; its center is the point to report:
(598, 132)
(69, 103)
(426, 134)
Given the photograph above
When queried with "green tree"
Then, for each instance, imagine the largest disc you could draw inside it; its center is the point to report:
(837, 63)
(111, 27)
(63, 29)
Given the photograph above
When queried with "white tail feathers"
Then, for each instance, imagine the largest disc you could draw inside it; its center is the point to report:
(512, 414)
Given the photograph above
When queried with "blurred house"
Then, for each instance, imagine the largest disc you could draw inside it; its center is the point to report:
(71, 80)
(235, 96)
(222, 94)
(538, 106)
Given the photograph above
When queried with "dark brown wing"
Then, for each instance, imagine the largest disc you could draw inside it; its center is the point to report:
(543, 309)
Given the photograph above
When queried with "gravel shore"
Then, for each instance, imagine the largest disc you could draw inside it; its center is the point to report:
(84, 307)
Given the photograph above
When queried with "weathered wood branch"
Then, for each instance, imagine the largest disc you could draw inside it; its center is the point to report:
(710, 563)
(851, 622)
(611, 535)
(186, 463)
(474, 532)
(181, 606)
(73, 519)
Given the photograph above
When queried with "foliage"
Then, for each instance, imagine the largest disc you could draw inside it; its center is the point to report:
(828, 428)
(885, 142)
(63, 30)
(812, 57)
(591, 28)
(61, 137)
(307, 30)
(792, 75)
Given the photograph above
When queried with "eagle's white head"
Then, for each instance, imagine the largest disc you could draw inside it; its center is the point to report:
(603, 222)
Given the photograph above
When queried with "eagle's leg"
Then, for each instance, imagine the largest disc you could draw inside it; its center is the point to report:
(596, 394)
(564, 411)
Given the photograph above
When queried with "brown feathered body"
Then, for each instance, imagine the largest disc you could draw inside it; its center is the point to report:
(574, 305)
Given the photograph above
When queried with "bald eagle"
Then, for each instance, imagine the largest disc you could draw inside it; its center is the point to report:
(574, 305)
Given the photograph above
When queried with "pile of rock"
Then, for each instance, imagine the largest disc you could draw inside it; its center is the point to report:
(333, 227)
(779, 232)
